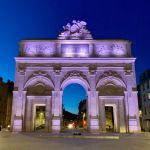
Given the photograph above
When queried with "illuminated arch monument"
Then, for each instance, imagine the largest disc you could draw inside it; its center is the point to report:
(105, 68)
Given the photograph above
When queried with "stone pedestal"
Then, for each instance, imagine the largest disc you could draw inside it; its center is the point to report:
(17, 124)
(56, 124)
(94, 125)
(134, 123)
(133, 126)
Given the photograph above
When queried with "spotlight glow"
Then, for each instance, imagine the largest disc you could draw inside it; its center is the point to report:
(70, 126)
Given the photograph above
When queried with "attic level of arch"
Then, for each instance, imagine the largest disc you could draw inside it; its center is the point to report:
(75, 48)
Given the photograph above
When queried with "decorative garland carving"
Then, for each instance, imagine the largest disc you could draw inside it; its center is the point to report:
(92, 69)
(110, 73)
(22, 68)
(57, 68)
(39, 72)
(111, 90)
(75, 73)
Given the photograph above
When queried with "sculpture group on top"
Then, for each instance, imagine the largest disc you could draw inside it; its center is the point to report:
(76, 30)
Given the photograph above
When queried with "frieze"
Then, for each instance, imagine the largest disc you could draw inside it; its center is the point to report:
(40, 65)
(72, 65)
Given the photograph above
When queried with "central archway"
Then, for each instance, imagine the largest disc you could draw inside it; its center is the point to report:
(71, 118)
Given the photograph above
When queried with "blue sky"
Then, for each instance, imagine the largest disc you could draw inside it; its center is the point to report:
(107, 19)
(72, 95)
(39, 19)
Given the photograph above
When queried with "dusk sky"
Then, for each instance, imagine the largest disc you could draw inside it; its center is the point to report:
(43, 19)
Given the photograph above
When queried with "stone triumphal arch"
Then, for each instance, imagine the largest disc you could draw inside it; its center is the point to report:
(105, 68)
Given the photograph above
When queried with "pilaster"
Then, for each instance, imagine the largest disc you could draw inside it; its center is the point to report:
(57, 102)
(17, 112)
(132, 104)
(93, 103)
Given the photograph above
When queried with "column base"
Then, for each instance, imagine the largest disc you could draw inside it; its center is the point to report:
(56, 125)
(133, 126)
(94, 125)
(17, 125)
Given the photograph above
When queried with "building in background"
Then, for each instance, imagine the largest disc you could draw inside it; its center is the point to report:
(5, 102)
(144, 100)
(82, 114)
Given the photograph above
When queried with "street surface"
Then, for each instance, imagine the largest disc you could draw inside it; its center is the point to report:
(47, 141)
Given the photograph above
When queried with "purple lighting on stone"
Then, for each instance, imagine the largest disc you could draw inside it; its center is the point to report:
(39, 48)
(80, 50)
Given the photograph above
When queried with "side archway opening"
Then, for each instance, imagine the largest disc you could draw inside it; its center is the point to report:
(111, 101)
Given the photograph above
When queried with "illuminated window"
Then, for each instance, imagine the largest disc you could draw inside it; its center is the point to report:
(148, 95)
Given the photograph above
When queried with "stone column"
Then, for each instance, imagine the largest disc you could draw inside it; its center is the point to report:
(16, 119)
(28, 115)
(56, 102)
(132, 100)
(93, 104)
(23, 108)
(18, 96)
(102, 115)
(134, 123)
(126, 110)
(122, 124)
(48, 113)
(56, 112)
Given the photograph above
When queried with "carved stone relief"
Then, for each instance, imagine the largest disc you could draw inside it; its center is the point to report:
(128, 69)
(38, 90)
(21, 68)
(111, 90)
(110, 49)
(75, 73)
(39, 49)
(57, 68)
(92, 69)
(110, 73)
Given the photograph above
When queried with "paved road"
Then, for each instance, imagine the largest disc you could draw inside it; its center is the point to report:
(38, 141)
